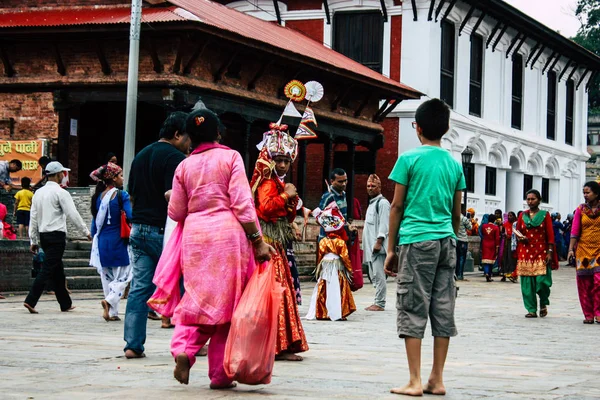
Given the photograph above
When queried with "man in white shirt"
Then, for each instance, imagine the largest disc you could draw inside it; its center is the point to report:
(51, 207)
(374, 242)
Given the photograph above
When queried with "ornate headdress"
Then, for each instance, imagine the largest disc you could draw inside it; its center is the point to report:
(331, 218)
(108, 172)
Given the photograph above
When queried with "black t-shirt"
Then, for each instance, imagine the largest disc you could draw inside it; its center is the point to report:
(151, 176)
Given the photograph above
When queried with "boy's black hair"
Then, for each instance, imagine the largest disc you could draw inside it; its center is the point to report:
(336, 172)
(25, 182)
(433, 117)
(17, 163)
(175, 122)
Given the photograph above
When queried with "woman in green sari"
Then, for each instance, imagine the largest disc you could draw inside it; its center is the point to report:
(536, 255)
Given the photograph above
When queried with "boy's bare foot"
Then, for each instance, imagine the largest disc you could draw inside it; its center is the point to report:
(434, 388)
(31, 309)
(409, 390)
(132, 354)
(182, 368)
(288, 357)
(221, 387)
(106, 308)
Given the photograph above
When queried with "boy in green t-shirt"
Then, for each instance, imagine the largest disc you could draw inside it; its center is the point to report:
(22, 210)
(425, 214)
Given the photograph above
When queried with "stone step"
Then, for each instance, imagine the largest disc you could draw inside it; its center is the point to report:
(84, 282)
(80, 254)
(81, 271)
(76, 262)
(79, 245)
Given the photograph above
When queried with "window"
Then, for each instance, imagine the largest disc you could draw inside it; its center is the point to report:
(527, 185)
(570, 109)
(490, 181)
(517, 92)
(545, 190)
(447, 65)
(476, 75)
(359, 36)
(469, 170)
(551, 107)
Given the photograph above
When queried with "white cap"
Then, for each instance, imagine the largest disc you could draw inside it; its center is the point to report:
(55, 167)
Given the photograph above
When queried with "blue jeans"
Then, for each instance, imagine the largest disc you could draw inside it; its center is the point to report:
(146, 243)
(461, 257)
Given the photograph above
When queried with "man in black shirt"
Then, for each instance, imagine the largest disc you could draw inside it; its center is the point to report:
(150, 178)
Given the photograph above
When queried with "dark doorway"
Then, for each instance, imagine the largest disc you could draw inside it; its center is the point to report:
(102, 129)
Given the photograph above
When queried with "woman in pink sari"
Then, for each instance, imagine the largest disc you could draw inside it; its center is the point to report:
(219, 241)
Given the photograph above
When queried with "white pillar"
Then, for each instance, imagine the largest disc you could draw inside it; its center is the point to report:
(514, 189)
(501, 177)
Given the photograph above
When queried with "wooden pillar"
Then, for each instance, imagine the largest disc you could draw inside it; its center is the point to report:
(327, 161)
(246, 149)
(350, 187)
(302, 169)
(61, 106)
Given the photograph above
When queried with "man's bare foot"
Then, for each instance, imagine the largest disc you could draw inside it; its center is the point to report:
(182, 368)
(221, 387)
(132, 354)
(374, 307)
(203, 352)
(50, 292)
(409, 390)
(31, 309)
(69, 309)
(434, 388)
(288, 357)
(106, 308)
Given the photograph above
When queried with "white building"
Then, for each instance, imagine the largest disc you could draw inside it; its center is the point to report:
(518, 90)
(520, 105)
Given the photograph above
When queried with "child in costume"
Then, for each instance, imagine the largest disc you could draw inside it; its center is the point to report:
(332, 298)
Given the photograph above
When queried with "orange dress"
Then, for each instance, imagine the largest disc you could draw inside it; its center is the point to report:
(275, 214)
(334, 263)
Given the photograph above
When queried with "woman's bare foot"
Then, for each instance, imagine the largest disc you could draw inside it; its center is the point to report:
(221, 387)
(203, 352)
(182, 368)
(106, 308)
(31, 309)
(434, 388)
(409, 390)
(166, 323)
(288, 357)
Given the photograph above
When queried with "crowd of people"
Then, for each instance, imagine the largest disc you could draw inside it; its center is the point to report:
(191, 230)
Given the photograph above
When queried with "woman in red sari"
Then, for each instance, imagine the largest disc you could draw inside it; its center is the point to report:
(490, 241)
(276, 203)
(536, 256)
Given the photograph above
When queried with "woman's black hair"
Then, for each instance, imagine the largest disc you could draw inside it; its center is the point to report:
(536, 193)
(100, 187)
(513, 213)
(202, 126)
(109, 156)
(593, 186)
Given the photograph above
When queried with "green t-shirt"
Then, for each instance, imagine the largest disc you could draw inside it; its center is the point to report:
(432, 177)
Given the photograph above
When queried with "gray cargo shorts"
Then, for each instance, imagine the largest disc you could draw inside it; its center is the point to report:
(426, 287)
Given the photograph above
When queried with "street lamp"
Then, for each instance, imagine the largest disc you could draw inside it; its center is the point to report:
(467, 156)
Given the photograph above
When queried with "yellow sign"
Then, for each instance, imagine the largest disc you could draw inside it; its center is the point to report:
(26, 151)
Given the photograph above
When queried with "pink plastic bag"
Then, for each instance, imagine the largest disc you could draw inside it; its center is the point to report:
(250, 347)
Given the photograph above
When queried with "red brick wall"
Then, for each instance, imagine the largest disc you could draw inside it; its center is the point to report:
(313, 28)
(33, 113)
(304, 5)
(387, 156)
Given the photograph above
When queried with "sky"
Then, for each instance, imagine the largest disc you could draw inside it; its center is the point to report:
(558, 15)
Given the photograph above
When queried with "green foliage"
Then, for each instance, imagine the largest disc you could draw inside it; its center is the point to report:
(588, 36)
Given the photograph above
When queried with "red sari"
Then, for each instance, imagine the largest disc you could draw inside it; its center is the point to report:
(275, 214)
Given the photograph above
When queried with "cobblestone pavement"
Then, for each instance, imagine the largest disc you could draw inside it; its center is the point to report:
(498, 354)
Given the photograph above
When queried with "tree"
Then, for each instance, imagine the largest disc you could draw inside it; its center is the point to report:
(588, 36)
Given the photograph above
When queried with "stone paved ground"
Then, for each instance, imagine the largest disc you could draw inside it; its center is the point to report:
(498, 354)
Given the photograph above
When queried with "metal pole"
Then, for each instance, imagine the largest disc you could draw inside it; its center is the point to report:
(132, 87)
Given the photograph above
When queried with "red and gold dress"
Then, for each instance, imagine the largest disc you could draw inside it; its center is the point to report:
(332, 297)
(275, 213)
(490, 241)
(532, 254)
